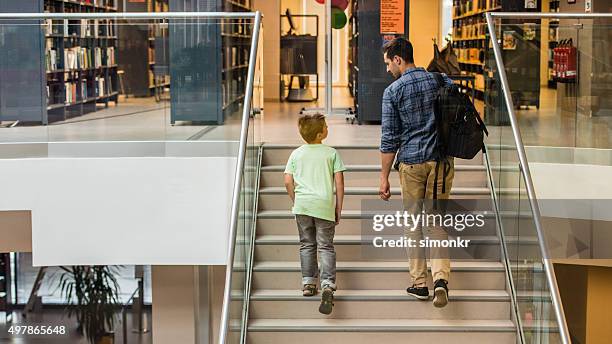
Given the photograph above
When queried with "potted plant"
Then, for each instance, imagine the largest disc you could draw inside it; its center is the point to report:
(92, 293)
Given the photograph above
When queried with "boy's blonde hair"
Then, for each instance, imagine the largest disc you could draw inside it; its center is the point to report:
(311, 125)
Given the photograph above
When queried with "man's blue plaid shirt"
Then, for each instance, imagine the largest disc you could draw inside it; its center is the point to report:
(408, 120)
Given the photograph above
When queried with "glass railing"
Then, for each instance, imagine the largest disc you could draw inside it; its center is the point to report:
(531, 106)
(91, 77)
(141, 85)
(234, 317)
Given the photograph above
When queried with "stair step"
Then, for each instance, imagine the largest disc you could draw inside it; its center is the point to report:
(273, 190)
(351, 155)
(374, 304)
(351, 248)
(388, 331)
(369, 175)
(373, 168)
(282, 222)
(377, 266)
(276, 198)
(380, 325)
(379, 275)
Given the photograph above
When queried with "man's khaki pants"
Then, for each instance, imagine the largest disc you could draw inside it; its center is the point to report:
(417, 183)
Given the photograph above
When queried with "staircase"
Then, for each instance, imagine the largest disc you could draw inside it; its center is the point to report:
(371, 304)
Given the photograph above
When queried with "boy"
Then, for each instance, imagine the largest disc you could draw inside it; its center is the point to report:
(310, 176)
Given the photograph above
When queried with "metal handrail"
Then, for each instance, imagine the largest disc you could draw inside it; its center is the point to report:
(238, 180)
(132, 15)
(524, 166)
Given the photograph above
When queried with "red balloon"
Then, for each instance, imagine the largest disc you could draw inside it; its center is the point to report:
(341, 4)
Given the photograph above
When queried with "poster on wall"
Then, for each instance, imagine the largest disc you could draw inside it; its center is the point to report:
(588, 6)
(529, 31)
(531, 4)
(392, 14)
(509, 40)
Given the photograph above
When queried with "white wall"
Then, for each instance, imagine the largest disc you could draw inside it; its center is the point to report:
(123, 210)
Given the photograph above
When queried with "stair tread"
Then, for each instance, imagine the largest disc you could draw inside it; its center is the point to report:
(286, 213)
(354, 190)
(373, 168)
(377, 295)
(380, 324)
(357, 239)
(378, 266)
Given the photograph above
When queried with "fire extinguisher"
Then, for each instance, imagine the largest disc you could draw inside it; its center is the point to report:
(562, 60)
(556, 61)
(571, 59)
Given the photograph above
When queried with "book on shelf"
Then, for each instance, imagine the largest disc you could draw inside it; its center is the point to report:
(71, 92)
(100, 86)
(84, 89)
(97, 57)
(109, 57)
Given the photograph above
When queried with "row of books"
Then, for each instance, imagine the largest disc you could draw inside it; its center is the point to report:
(80, 27)
(235, 56)
(82, 58)
(100, 3)
(76, 91)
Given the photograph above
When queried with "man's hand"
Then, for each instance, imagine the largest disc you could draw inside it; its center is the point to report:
(385, 189)
(386, 160)
(338, 215)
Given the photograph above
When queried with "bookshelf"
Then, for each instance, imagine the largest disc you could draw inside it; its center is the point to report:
(553, 39)
(470, 39)
(144, 72)
(76, 62)
(208, 73)
(368, 77)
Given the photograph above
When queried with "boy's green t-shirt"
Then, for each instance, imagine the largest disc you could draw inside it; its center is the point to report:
(313, 167)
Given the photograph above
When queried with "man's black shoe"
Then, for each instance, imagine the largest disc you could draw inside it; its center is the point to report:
(440, 293)
(421, 293)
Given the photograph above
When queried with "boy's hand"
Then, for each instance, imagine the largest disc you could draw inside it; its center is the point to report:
(385, 189)
(338, 215)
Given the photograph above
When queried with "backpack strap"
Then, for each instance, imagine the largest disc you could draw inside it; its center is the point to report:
(439, 78)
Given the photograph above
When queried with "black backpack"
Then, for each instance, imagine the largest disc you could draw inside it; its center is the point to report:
(460, 129)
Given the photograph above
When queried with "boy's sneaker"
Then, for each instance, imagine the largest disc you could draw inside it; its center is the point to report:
(421, 293)
(327, 301)
(309, 290)
(440, 293)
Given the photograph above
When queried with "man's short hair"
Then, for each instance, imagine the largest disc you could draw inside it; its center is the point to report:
(311, 125)
(399, 47)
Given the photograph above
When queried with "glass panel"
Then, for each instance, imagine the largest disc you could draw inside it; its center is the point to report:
(524, 49)
(70, 80)
(96, 80)
(244, 244)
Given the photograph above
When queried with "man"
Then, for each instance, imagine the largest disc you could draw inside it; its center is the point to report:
(409, 136)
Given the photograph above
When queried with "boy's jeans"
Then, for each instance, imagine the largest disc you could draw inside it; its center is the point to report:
(317, 234)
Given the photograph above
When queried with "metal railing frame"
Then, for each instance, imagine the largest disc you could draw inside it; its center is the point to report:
(524, 166)
(257, 17)
(246, 111)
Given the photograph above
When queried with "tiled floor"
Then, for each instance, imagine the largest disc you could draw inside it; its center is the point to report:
(137, 119)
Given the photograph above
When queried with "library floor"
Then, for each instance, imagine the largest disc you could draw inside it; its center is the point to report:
(143, 119)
